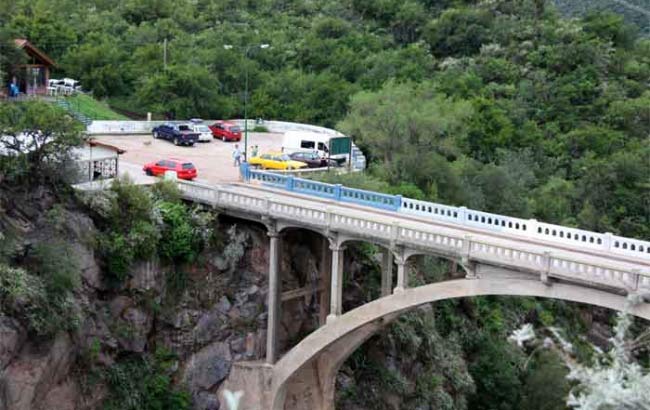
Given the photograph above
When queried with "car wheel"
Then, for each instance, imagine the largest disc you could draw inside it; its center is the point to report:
(176, 141)
(191, 144)
(149, 172)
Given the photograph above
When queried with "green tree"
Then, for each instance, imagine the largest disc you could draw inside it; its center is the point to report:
(458, 32)
(182, 91)
(38, 138)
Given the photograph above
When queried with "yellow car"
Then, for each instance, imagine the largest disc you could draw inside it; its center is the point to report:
(275, 160)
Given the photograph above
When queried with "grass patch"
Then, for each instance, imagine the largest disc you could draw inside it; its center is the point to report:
(260, 128)
(93, 109)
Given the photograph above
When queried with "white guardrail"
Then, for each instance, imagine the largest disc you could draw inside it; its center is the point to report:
(528, 227)
(563, 265)
(145, 127)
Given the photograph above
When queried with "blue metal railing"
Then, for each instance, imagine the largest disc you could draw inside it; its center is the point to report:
(459, 215)
(335, 192)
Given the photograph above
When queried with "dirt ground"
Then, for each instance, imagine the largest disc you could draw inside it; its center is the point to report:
(213, 160)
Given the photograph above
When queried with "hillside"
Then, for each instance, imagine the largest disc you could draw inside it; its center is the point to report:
(503, 106)
(636, 12)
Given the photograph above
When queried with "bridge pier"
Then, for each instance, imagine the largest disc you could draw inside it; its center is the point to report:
(274, 298)
(401, 275)
(325, 275)
(386, 272)
(336, 296)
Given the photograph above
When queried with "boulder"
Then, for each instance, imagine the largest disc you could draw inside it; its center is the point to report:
(207, 368)
(224, 305)
(62, 397)
(25, 383)
(119, 305)
(147, 276)
(12, 336)
(90, 272)
(209, 326)
(205, 401)
(138, 324)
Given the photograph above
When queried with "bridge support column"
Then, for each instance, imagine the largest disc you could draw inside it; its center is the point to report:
(386, 272)
(274, 301)
(325, 277)
(336, 292)
(401, 275)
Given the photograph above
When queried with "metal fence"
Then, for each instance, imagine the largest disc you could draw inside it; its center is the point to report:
(459, 215)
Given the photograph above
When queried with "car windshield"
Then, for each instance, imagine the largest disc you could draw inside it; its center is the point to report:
(284, 157)
(203, 128)
(234, 129)
(184, 128)
(188, 165)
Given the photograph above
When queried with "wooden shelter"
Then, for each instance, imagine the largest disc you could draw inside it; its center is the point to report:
(33, 74)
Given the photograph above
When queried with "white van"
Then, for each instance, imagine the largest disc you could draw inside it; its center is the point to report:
(309, 141)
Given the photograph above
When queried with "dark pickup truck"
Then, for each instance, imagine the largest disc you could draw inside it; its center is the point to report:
(179, 134)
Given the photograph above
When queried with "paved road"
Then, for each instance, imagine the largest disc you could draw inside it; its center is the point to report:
(213, 160)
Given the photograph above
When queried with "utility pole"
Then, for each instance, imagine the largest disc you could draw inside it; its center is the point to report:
(246, 51)
(165, 53)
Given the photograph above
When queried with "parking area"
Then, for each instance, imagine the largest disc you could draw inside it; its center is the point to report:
(213, 160)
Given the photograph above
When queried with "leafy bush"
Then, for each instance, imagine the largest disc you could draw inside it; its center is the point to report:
(145, 384)
(260, 128)
(131, 203)
(26, 297)
(121, 250)
(166, 191)
(57, 267)
(178, 242)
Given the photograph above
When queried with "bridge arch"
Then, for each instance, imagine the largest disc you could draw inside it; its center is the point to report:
(342, 336)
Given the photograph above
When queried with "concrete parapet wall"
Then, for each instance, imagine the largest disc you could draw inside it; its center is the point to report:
(145, 127)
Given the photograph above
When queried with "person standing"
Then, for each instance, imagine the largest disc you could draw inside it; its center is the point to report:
(236, 155)
(254, 151)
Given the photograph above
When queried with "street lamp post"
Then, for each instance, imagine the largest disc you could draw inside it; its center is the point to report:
(247, 50)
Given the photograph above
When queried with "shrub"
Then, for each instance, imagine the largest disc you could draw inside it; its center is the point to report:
(145, 384)
(166, 191)
(130, 204)
(179, 242)
(260, 128)
(26, 297)
(57, 267)
(121, 250)
(117, 254)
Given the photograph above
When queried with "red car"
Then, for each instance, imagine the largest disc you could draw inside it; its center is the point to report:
(226, 131)
(184, 169)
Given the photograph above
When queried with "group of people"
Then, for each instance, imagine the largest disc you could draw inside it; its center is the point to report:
(237, 154)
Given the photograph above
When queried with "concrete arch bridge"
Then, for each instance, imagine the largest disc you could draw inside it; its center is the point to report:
(500, 255)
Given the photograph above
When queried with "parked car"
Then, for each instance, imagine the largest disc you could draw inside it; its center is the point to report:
(226, 131)
(179, 134)
(184, 169)
(275, 160)
(312, 159)
(205, 134)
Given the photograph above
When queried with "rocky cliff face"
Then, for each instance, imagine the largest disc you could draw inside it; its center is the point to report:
(216, 318)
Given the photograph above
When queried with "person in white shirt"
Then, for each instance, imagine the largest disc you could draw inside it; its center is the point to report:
(236, 155)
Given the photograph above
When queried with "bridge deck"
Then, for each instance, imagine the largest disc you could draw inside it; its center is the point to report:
(508, 239)
(387, 217)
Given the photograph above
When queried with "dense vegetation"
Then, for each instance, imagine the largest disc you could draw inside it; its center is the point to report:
(502, 106)
(634, 11)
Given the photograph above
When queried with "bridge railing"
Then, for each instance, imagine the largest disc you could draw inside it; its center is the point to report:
(335, 192)
(460, 215)
(584, 269)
